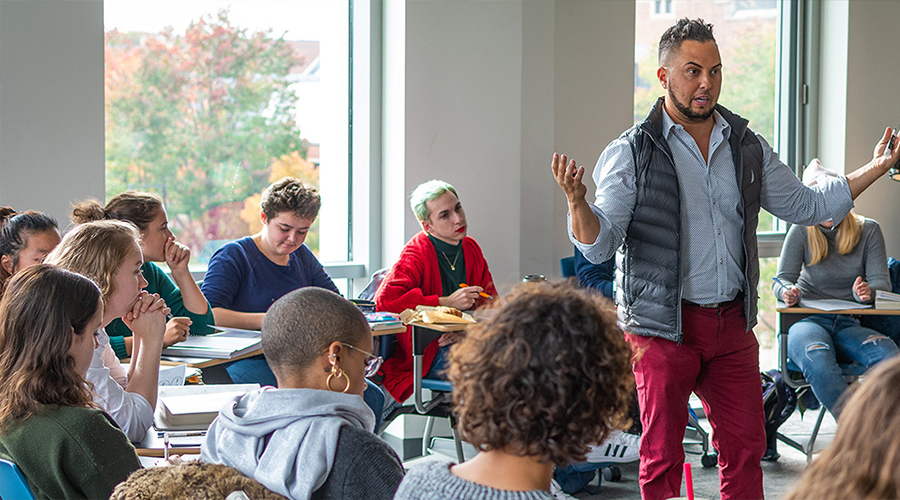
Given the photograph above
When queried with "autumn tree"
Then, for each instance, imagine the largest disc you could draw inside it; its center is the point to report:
(199, 116)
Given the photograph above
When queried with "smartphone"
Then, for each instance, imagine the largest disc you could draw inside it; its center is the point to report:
(891, 143)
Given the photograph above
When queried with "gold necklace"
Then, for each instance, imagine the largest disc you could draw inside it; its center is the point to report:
(452, 264)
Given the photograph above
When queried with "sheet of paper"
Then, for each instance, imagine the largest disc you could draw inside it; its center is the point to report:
(832, 304)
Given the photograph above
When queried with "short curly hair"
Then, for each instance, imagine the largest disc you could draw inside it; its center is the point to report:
(191, 480)
(290, 195)
(696, 30)
(545, 377)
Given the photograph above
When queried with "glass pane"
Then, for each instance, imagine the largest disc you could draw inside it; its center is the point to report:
(746, 32)
(766, 324)
(207, 102)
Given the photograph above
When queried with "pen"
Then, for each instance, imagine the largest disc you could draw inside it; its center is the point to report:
(463, 285)
(181, 434)
(776, 280)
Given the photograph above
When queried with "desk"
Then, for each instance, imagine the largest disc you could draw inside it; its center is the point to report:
(210, 362)
(153, 446)
(787, 316)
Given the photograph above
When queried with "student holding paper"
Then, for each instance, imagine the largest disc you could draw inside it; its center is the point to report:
(49, 426)
(190, 308)
(823, 262)
(109, 253)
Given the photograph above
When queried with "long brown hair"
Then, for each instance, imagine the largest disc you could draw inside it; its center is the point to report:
(848, 234)
(863, 461)
(43, 308)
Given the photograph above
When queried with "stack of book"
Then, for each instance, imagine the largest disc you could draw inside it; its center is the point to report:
(383, 320)
(193, 407)
(886, 300)
(227, 343)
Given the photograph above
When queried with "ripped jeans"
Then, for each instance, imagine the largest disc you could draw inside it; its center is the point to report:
(819, 342)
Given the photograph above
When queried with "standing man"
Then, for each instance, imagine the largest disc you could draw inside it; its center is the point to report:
(679, 196)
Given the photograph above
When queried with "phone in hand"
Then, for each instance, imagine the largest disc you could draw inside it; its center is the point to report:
(891, 142)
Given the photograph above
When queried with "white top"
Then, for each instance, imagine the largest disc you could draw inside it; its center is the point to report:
(131, 411)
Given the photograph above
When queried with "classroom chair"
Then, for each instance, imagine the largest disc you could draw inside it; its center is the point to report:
(793, 377)
(13, 485)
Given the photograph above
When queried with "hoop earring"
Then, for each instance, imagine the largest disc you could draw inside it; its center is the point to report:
(337, 373)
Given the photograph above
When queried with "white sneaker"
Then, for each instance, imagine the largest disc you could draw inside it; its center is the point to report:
(557, 492)
(620, 447)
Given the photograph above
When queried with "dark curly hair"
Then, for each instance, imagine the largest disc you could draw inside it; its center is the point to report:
(290, 195)
(696, 30)
(545, 377)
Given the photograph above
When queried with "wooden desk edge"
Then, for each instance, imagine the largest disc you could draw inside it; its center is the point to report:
(867, 311)
(442, 327)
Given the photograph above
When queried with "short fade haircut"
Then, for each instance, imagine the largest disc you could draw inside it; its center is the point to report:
(301, 325)
(696, 30)
(425, 192)
(545, 377)
(290, 195)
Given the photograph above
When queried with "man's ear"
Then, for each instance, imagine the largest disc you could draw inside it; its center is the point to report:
(262, 217)
(7, 264)
(425, 226)
(663, 76)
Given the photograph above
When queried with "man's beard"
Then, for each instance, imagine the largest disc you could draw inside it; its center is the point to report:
(691, 115)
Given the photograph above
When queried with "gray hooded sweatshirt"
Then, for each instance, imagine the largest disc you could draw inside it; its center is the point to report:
(287, 439)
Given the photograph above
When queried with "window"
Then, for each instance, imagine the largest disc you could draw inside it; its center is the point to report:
(761, 48)
(209, 101)
(662, 7)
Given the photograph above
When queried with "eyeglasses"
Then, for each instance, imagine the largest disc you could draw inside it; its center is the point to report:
(373, 362)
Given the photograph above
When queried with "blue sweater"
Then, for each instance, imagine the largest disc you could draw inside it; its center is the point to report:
(241, 278)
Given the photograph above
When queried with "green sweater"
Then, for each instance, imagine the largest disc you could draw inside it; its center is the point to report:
(159, 282)
(69, 452)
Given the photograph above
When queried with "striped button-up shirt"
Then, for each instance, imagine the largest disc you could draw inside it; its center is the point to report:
(712, 253)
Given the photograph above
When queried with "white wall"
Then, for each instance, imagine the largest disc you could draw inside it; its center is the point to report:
(863, 98)
(51, 104)
(492, 89)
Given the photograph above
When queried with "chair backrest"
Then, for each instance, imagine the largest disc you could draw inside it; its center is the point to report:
(377, 277)
(13, 485)
(567, 266)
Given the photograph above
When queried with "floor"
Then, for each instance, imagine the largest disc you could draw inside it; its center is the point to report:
(778, 477)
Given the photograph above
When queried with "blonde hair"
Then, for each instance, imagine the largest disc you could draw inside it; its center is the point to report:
(847, 237)
(97, 250)
(863, 461)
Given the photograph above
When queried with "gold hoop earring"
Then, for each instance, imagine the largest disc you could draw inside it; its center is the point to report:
(336, 373)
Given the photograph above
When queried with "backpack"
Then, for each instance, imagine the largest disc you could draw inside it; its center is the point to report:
(779, 403)
(575, 477)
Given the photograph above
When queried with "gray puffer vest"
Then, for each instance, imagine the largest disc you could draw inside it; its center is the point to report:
(648, 284)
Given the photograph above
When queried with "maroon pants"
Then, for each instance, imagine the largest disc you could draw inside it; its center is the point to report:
(719, 360)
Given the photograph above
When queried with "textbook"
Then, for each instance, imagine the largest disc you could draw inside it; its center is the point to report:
(228, 343)
(886, 300)
(383, 320)
(193, 407)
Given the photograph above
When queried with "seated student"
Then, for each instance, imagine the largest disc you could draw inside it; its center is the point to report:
(191, 481)
(144, 210)
(246, 276)
(533, 385)
(599, 277)
(49, 426)
(430, 270)
(312, 436)
(820, 263)
(25, 240)
(863, 461)
(109, 253)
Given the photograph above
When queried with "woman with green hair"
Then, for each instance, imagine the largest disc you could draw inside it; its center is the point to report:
(431, 270)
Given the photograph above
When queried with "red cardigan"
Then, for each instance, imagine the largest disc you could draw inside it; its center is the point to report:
(416, 280)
